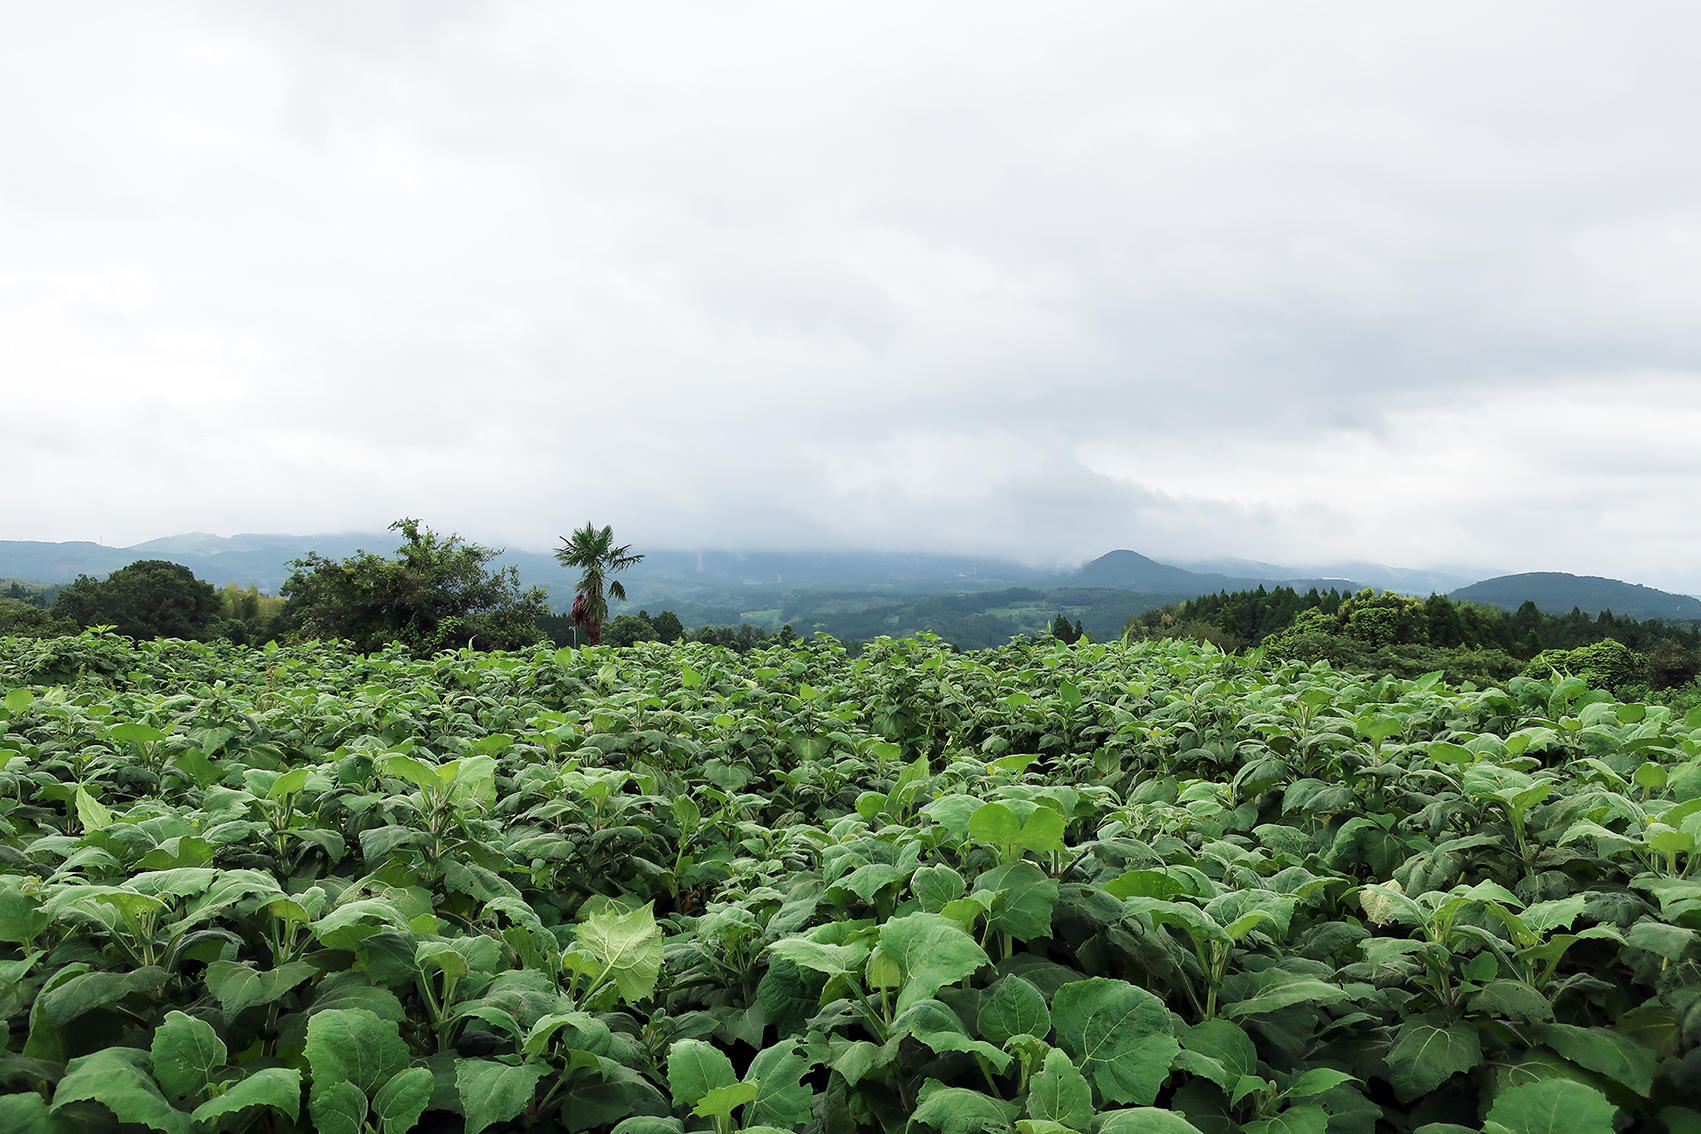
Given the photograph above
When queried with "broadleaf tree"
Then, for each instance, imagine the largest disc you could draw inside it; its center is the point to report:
(437, 593)
(150, 598)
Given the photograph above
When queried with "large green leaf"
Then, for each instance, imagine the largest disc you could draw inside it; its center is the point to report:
(1316, 1081)
(28, 1114)
(997, 825)
(933, 886)
(276, 1087)
(1059, 1092)
(353, 922)
(937, 1026)
(1274, 989)
(1219, 1050)
(135, 732)
(473, 778)
(1024, 899)
(1145, 884)
(821, 956)
(859, 1057)
(782, 1098)
(719, 1102)
(1426, 1053)
(416, 772)
(338, 1108)
(1306, 1119)
(83, 993)
(1603, 1050)
(1513, 1000)
(1553, 1106)
(867, 880)
(1012, 1007)
(187, 1054)
(21, 917)
(695, 1068)
(118, 1079)
(238, 986)
(402, 1099)
(1119, 1035)
(932, 951)
(649, 1124)
(629, 946)
(958, 1110)
(1143, 1120)
(353, 1045)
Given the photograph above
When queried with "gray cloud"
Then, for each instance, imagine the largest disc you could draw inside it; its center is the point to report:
(1413, 284)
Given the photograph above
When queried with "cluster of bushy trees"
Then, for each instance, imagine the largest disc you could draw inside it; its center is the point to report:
(1392, 633)
(151, 598)
(1066, 631)
(436, 592)
(441, 592)
(630, 629)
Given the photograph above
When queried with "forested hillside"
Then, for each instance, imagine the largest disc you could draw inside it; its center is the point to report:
(1390, 633)
(1556, 591)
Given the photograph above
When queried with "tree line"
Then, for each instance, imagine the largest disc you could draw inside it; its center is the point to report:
(1392, 633)
(436, 592)
(442, 592)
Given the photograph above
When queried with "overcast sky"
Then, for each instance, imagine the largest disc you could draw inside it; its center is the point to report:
(1417, 283)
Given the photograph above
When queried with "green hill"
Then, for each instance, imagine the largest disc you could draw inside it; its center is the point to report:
(1557, 592)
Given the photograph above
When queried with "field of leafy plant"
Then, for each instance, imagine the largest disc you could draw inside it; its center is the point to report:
(1105, 889)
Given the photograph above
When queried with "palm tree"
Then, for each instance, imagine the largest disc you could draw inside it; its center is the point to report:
(594, 554)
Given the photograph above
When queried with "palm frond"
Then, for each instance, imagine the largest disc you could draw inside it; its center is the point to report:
(592, 551)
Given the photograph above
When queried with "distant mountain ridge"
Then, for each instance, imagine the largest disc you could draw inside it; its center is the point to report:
(1556, 592)
(1405, 580)
(730, 580)
(261, 560)
(1131, 571)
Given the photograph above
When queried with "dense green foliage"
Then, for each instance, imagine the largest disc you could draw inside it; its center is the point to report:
(150, 598)
(1100, 888)
(1065, 631)
(972, 620)
(436, 593)
(26, 620)
(246, 615)
(34, 594)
